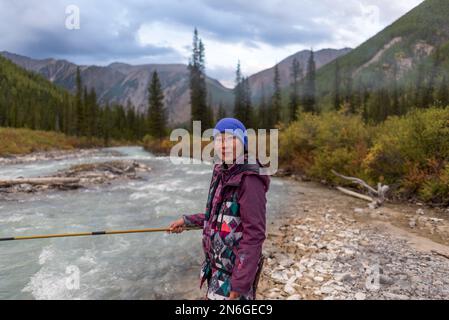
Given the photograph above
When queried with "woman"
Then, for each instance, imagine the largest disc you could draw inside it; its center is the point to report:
(234, 220)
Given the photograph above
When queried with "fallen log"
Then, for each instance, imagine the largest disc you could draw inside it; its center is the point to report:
(440, 254)
(39, 181)
(379, 195)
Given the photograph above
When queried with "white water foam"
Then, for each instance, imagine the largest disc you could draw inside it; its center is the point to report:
(46, 255)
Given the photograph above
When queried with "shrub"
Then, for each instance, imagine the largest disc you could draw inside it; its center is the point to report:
(410, 153)
(316, 144)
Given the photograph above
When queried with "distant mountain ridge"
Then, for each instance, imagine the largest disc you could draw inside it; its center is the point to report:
(265, 77)
(120, 82)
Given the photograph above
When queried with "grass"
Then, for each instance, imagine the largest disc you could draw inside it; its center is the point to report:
(15, 141)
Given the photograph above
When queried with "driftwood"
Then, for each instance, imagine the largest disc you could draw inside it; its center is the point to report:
(39, 181)
(355, 194)
(376, 198)
(440, 254)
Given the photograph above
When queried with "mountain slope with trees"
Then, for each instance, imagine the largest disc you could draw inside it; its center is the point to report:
(405, 65)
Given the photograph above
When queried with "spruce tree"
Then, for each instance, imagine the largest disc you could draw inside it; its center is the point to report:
(337, 79)
(276, 99)
(429, 89)
(156, 112)
(309, 103)
(247, 104)
(198, 89)
(221, 112)
(443, 92)
(262, 115)
(239, 107)
(349, 94)
(79, 104)
(296, 73)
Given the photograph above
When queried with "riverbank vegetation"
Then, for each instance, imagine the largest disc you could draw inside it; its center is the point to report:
(19, 141)
(410, 153)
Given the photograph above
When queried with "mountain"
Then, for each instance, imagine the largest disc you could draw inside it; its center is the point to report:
(412, 52)
(29, 100)
(265, 78)
(120, 83)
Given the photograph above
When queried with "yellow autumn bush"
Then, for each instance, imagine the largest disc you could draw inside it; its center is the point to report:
(410, 153)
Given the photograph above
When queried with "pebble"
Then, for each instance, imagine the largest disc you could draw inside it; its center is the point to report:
(289, 289)
(360, 296)
(383, 279)
(326, 290)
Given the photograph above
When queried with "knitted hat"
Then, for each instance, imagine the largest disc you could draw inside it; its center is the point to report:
(233, 126)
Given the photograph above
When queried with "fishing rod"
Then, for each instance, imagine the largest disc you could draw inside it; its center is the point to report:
(95, 233)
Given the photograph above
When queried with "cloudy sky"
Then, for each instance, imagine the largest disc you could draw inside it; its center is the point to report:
(259, 33)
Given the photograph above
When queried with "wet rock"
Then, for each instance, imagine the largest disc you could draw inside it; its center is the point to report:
(386, 280)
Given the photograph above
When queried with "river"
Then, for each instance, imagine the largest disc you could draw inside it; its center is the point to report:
(133, 266)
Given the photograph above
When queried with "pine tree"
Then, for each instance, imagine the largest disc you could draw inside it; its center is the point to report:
(428, 94)
(156, 113)
(92, 113)
(198, 89)
(349, 94)
(309, 103)
(396, 108)
(262, 116)
(337, 79)
(276, 99)
(221, 112)
(79, 104)
(239, 107)
(443, 92)
(247, 104)
(379, 106)
(106, 123)
(419, 87)
(296, 73)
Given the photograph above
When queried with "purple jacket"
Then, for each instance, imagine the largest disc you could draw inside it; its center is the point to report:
(234, 224)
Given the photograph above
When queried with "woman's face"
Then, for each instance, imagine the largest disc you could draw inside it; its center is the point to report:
(227, 147)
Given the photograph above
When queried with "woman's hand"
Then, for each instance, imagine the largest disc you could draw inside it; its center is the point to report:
(177, 226)
(234, 295)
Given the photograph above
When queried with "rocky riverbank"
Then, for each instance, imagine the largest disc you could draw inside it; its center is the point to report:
(331, 246)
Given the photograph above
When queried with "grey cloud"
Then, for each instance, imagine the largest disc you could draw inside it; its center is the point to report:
(109, 28)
